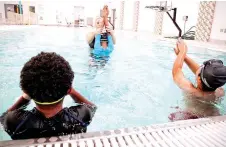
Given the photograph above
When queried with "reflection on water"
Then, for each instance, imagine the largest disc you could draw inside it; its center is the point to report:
(96, 63)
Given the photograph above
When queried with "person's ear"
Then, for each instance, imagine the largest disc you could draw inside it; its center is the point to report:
(199, 82)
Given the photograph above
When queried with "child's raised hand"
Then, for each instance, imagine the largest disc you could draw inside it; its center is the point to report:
(176, 51)
(105, 11)
(181, 46)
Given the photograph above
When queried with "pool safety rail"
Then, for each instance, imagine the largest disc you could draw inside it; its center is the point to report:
(204, 132)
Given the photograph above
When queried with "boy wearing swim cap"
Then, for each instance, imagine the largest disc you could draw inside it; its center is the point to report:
(209, 77)
(46, 79)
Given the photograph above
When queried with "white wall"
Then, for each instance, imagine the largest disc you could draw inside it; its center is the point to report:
(117, 14)
(2, 9)
(189, 8)
(40, 9)
(146, 17)
(92, 9)
(25, 10)
(49, 14)
(128, 15)
(219, 21)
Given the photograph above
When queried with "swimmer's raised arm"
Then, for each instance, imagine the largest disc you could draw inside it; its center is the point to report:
(178, 75)
(112, 34)
(23, 101)
(97, 41)
(77, 97)
(110, 42)
(105, 13)
(105, 19)
(190, 62)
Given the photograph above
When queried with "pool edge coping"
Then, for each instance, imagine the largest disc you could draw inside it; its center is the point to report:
(110, 133)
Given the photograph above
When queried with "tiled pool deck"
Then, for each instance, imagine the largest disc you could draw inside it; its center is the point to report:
(205, 132)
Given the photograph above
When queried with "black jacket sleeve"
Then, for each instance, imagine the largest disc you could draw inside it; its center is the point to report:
(11, 120)
(84, 112)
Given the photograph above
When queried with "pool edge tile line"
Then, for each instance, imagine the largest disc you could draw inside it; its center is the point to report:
(179, 133)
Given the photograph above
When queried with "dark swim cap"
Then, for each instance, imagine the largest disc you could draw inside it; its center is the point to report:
(213, 74)
(104, 37)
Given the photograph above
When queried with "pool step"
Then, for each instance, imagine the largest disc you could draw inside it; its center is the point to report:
(206, 132)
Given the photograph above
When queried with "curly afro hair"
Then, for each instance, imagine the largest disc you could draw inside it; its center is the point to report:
(46, 77)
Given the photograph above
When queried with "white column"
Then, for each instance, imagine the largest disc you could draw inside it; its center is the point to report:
(205, 20)
(136, 15)
(122, 6)
(158, 23)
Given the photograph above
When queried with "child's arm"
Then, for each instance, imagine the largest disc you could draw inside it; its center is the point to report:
(112, 35)
(77, 97)
(194, 66)
(110, 42)
(106, 24)
(97, 41)
(105, 13)
(23, 101)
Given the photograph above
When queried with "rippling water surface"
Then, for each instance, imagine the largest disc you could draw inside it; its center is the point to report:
(133, 88)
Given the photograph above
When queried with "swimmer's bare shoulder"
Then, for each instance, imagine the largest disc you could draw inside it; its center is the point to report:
(219, 92)
(205, 96)
(192, 92)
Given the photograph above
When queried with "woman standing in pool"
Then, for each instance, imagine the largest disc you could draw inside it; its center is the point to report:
(47, 78)
(210, 78)
(103, 45)
(100, 23)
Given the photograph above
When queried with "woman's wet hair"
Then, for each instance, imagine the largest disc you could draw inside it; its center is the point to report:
(46, 77)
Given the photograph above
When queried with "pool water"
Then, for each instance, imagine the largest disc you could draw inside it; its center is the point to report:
(133, 88)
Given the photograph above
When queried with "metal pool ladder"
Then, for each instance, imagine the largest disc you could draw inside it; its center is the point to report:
(205, 132)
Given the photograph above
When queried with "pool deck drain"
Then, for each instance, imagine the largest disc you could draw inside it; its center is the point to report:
(204, 132)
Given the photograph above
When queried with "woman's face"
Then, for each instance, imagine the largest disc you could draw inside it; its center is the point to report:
(99, 23)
